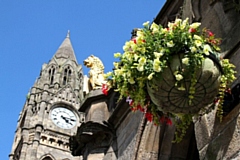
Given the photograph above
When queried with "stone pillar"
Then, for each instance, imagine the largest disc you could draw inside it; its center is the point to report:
(95, 106)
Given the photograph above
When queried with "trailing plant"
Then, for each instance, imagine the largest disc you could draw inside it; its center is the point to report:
(147, 55)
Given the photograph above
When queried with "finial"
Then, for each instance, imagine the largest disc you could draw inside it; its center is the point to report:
(68, 34)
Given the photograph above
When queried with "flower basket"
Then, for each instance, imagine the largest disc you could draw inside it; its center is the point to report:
(172, 73)
(171, 98)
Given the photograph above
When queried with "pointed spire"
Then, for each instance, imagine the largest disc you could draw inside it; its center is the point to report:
(68, 34)
(66, 50)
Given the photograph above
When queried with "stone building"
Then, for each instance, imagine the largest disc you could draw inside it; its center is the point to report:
(50, 114)
(121, 134)
(102, 128)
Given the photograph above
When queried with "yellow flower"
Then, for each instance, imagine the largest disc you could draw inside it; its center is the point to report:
(131, 80)
(154, 27)
(142, 61)
(156, 65)
(140, 68)
(207, 49)
(184, 23)
(170, 44)
(117, 55)
(181, 88)
(170, 25)
(108, 74)
(197, 37)
(136, 57)
(193, 49)
(185, 60)
(157, 55)
(133, 46)
(195, 25)
(178, 21)
(115, 64)
(150, 76)
(140, 33)
(117, 72)
(164, 30)
(127, 46)
(198, 43)
(145, 24)
(178, 77)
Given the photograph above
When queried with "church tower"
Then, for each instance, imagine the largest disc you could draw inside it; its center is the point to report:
(50, 114)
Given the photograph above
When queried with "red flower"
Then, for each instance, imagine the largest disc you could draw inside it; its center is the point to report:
(104, 89)
(140, 108)
(168, 121)
(192, 30)
(134, 40)
(210, 34)
(149, 116)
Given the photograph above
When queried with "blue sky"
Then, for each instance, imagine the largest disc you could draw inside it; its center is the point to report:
(32, 30)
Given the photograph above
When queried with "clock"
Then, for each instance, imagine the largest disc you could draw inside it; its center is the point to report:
(63, 117)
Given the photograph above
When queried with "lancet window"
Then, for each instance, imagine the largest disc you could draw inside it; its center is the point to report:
(67, 75)
(51, 72)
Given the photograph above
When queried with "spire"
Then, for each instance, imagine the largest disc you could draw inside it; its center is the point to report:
(66, 50)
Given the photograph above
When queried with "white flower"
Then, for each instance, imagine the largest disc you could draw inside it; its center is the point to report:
(178, 77)
(185, 60)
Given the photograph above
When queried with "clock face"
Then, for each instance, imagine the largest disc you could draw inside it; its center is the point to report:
(63, 117)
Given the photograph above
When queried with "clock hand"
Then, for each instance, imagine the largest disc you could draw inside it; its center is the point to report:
(66, 119)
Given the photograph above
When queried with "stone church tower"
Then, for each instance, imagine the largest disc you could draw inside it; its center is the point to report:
(50, 114)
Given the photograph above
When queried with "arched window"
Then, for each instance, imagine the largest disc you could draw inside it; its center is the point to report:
(51, 72)
(66, 75)
(47, 158)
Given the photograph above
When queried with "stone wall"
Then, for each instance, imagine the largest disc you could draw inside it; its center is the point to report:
(215, 139)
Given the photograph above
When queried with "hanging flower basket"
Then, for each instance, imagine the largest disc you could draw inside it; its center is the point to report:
(173, 96)
(172, 73)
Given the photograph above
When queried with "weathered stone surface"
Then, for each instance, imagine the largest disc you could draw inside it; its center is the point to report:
(97, 112)
(149, 144)
(126, 134)
(111, 154)
(217, 140)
